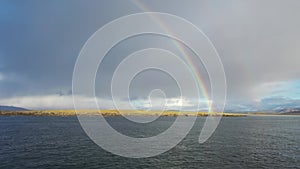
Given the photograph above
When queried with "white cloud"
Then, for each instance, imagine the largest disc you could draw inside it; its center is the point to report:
(45, 102)
(66, 102)
(276, 88)
(162, 102)
(175, 103)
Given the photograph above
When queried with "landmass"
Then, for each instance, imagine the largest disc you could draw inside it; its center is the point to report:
(11, 108)
(112, 113)
(291, 113)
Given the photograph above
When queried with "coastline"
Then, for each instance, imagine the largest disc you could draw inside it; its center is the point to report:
(113, 113)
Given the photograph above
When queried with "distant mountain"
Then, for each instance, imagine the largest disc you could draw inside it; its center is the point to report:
(240, 107)
(276, 105)
(279, 104)
(291, 113)
(287, 110)
(11, 108)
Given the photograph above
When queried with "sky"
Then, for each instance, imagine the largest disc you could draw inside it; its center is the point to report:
(258, 43)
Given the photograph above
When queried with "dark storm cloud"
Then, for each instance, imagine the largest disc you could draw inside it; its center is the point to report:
(257, 40)
(40, 41)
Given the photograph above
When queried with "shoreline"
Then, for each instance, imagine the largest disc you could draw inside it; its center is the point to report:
(114, 113)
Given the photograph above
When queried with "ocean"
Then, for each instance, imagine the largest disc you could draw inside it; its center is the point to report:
(239, 142)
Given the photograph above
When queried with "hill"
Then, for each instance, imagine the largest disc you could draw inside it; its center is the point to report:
(11, 108)
(291, 113)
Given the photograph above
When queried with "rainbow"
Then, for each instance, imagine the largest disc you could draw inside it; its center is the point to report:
(187, 58)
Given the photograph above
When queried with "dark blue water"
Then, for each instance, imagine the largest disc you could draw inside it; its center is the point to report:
(239, 142)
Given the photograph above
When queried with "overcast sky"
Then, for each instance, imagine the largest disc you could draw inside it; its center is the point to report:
(258, 42)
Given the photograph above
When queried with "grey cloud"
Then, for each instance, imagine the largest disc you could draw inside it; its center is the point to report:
(40, 41)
